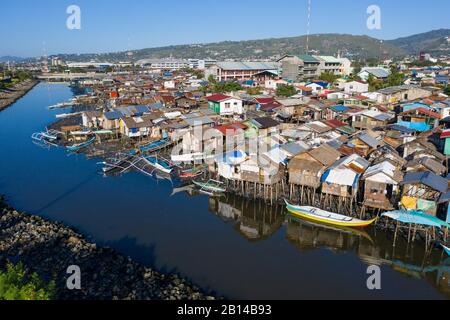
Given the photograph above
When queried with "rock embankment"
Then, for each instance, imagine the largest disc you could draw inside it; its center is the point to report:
(50, 248)
(9, 96)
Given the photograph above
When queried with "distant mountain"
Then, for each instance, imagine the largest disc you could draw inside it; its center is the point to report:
(357, 47)
(431, 42)
(325, 44)
(11, 59)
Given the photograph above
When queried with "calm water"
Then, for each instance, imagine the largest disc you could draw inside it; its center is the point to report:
(237, 248)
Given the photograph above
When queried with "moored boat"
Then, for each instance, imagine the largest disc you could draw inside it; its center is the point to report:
(153, 146)
(158, 164)
(326, 217)
(210, 187)
(79, 146)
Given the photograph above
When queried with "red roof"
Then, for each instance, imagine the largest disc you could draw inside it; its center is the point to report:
(360, 97)
(445, 134)
(218, 97)
(231, 129)
(425, 112)
(335, 123)
(303, 88)
(265, 100)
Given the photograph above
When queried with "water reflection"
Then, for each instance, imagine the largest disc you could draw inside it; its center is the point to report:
(257, 221)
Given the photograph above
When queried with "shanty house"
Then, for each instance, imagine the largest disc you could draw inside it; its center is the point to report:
(342, 179)
(307, 168)
(419, 119)
(381, 185)
(137, 127)
(446, 136)
(422, 191)
(370, 119)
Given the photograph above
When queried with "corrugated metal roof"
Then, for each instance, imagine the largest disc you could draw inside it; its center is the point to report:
(377, 72)
(226, 65)
(308, 58)
(427, 178)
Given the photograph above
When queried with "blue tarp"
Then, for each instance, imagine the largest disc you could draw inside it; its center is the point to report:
(418, 126)
(416, 217)
(339, 108)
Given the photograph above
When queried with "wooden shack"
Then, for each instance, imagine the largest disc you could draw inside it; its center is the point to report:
(307, 168)
(422, 191)
(381, 185)
(342, 179)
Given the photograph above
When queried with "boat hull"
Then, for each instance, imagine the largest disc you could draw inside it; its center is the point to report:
(447, 250)
(208, 187)
(354, 223)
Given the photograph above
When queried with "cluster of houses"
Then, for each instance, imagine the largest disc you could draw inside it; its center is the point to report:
(384, 150)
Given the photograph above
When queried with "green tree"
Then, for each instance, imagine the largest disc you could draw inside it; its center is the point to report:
(286, 91)
(16, 284)
(328, 77)
(395, 78)
(254, 91)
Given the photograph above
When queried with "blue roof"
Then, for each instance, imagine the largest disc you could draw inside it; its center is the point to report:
(339, 108)
(113, 115)
(402, 129)
(429, 179)
(322, 83)
(141, 109)
(155, 106)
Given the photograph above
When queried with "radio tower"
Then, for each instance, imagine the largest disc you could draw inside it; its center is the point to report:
(308, 26)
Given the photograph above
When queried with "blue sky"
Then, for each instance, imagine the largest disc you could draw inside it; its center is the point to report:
(34, 28)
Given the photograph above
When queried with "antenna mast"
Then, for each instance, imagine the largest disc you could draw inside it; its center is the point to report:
(308, 27)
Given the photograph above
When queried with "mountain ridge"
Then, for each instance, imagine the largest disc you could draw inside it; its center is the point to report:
(352, 46)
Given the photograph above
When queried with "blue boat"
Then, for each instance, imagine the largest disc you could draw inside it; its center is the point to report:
(154, 145)
(77, 147)
(158, 164)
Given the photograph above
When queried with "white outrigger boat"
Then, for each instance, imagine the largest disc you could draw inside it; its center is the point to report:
(47, 136)
(211, 187)
(326, 217)
(158, 164)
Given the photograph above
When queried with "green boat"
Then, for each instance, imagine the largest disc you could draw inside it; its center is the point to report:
(211, 187)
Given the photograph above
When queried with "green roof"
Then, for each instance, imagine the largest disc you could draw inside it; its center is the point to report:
(307, 58)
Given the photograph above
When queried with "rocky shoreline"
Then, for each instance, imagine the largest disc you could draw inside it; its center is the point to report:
(50, 248)
(17, 92)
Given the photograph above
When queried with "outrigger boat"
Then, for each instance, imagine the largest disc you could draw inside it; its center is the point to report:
(48, 135)
(78, 146)
(326, 217)
(211, 187)
(158, 164)
(117, 164)
(192, 173)
(153, 146)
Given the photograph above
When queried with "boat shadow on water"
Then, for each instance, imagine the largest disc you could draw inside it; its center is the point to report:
(257, 221)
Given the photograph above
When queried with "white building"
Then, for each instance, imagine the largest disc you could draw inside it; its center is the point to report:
(164, 64)
(356, 87)
(225, 105)
(346, 66)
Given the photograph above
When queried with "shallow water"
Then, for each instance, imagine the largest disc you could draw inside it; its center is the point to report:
(234, 247)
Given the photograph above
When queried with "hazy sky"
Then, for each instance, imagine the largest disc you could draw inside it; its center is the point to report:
(34, 28)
